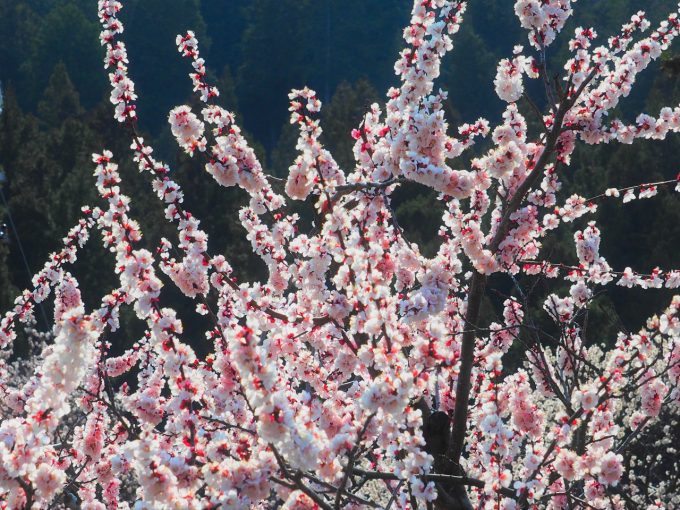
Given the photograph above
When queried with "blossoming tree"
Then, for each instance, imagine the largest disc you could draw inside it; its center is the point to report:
(360, 373)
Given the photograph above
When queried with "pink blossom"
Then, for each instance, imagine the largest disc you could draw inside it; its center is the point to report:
(187, 129)
(356, 342)
(610, 468)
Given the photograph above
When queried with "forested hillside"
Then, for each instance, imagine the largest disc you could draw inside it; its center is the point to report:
(56, 113)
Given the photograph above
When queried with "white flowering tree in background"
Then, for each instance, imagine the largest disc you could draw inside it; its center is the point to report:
(360, 374)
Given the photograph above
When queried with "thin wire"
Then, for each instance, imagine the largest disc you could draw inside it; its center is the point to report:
(21, 250)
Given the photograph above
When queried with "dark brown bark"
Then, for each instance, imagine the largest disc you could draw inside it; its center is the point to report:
(478, 285)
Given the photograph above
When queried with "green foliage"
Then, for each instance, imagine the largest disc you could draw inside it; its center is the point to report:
(419, 214)
(18, 24)
(60, 99)
(160, 74)
(345, 112)
(65, 34)
(7, 291)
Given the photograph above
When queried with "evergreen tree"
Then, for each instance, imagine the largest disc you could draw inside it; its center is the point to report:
(225, 21)
(7, 291)
(65, 34)
(275, 47)
(345, 112)
(60, 99)
(161, 73)
(227, 87)
(18, 25)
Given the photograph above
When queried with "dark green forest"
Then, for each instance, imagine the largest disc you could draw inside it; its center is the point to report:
(56, 113)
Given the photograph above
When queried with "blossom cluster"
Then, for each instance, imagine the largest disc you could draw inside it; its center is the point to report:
(358, 361)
